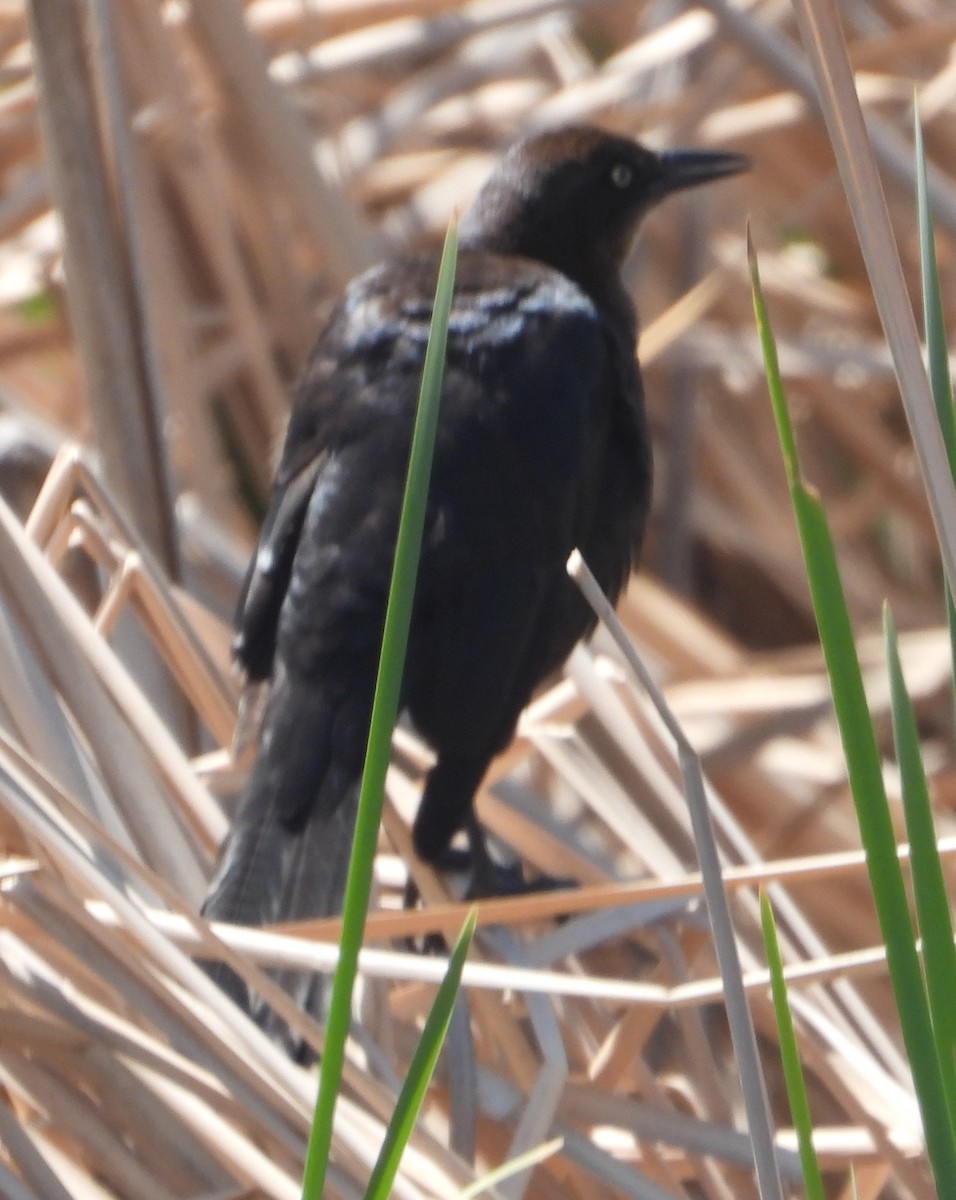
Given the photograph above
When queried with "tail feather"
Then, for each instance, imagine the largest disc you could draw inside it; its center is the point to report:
(277, 866)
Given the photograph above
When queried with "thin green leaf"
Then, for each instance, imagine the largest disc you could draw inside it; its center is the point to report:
(384, 713)
(929, 885)
(951, 627)
(866, 779)
(934, 331)
(781, 414)
(790, 1057)
(420, 1069)
(934, 324)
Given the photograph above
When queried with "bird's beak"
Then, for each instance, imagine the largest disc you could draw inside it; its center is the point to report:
(681, 169)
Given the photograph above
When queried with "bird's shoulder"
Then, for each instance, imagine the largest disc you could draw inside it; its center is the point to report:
(485, 282)
(383, 319)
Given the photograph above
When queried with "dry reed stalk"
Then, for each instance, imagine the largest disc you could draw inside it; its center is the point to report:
(106, 309)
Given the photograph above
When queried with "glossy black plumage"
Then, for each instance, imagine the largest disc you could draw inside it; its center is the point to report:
(542, 446)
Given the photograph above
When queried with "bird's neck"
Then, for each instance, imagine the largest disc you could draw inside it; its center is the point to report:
(601, 282)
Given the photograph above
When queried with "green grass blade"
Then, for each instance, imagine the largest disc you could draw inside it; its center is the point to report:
(951, 627)
(865, 775)
(934, 330)
(420, 1069)
(778, 400)
(790, 1057)
(384, 713)
(929, 885)
(934, 325)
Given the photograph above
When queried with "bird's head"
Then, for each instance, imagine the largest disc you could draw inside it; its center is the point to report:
(573, 198)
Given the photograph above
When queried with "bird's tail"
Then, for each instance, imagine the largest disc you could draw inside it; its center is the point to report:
(273, 869)
(268, 875)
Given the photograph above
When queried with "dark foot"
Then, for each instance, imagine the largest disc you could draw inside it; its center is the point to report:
(455, 860)
(488, 876)
(509, 881)
(491, 878)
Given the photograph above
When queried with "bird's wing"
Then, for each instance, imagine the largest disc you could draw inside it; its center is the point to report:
(337, 403)
(267, 576)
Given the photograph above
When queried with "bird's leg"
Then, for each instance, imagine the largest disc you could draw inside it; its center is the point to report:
(447, 807)
(430, 943)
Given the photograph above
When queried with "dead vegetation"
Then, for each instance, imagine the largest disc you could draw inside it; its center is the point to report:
(217, 179)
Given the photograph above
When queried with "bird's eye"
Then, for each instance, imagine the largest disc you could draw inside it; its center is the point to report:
(621, 175)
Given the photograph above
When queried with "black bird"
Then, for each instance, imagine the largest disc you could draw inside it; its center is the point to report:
(542, 447)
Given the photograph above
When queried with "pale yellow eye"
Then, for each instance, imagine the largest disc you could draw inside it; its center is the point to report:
(621, 175)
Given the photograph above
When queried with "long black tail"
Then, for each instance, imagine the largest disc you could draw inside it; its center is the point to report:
(287, 853)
